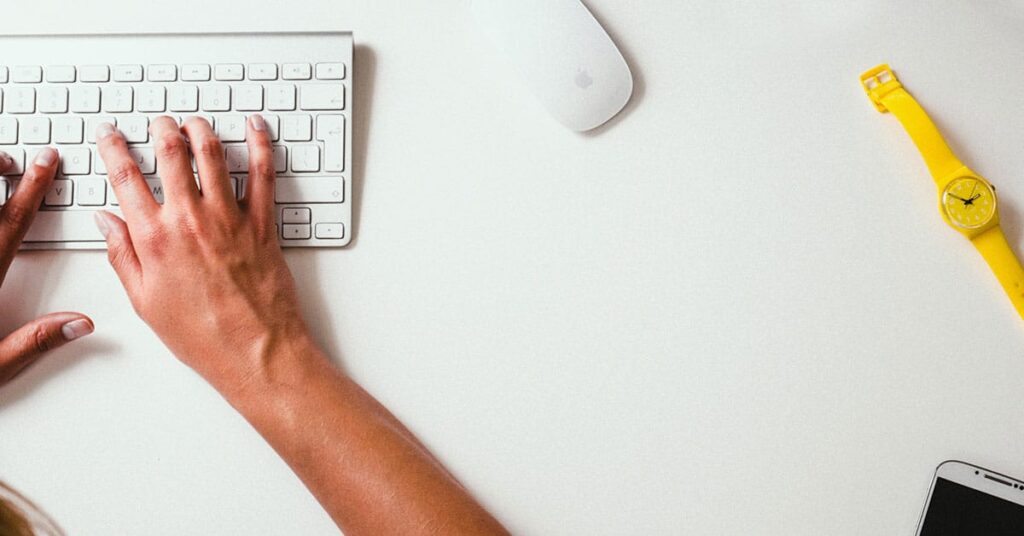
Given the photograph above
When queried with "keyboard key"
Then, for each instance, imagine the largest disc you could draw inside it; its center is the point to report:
(330, 71)
(53, 100)
(297, 128)
(85, 99)
(117, 99)
(323, 97)
(151, 99)
(305, 158)
(35, 130)
(162, 73)
(68, 130)
(8, 130)
(135, 128)
(263, 71)
(183, 98)
(63, 226)
(296, 215)
(330, 129)
(127, 73)
(3, 75)
(281, 97)
(4, 191)
(75, 160)
(145, 158)
(156, 187)
(92, 192)
(94, 121)
(59, 194)
(295, 232)
(215, 97)
(273, 126)
(229, 72)
(237, 157)
(296, 71)
(280, 159)
(20, 100)
(94, 73)
(27, 74)
(60, 74)
(231, 128)
(249, 98)
(99, 166)
(18, 167)
(309, 190)
(195, 73)
(330, 231)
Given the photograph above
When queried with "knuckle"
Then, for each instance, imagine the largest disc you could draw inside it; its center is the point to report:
(170, 144)
(210, 147)
(263, 168)
(123, 173)
(41, 339)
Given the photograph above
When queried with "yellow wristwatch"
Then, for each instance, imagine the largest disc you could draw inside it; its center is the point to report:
(966, 200)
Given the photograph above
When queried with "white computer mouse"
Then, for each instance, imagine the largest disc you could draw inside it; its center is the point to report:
(564, 55)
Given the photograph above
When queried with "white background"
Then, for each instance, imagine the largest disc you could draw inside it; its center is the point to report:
(736, 310)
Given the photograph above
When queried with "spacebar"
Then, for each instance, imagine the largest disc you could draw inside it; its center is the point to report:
(69, 226)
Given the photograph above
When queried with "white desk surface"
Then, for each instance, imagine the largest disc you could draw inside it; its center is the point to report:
(735, 311)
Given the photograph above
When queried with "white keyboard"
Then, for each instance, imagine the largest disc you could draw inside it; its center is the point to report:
(57, 89)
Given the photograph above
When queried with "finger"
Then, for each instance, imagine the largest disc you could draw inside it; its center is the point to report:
(259, 190)
(23, 347)
(136, 199)
(18, 213)
(213, 168)
(120, 251)
(176, 175)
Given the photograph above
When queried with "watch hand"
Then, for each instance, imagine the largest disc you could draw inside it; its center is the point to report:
(976, 196)
(954, 196)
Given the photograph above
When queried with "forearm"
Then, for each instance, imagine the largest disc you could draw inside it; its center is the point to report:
(366, 469)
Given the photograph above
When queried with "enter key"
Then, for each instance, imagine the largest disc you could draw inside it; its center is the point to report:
(330, 129)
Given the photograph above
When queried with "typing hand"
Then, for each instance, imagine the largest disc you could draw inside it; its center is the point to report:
(204, 271)
(21, 348)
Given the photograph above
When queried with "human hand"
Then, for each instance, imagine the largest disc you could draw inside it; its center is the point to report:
(204, 271)
(23, 347)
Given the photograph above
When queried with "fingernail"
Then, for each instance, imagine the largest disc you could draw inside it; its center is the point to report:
(103, 130)
(101, 223)
(46, 157)
(76, 329)
(258, 123)
(5, 160)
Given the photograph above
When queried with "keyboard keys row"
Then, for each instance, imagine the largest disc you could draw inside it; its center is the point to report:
(23, 100)
(71, 130)
(304, 158)
(97, 192)
(231, 72)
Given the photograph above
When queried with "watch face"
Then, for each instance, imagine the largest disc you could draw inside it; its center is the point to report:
(969, 202)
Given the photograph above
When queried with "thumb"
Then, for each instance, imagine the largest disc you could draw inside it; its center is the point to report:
(120, 249)
(23, 347)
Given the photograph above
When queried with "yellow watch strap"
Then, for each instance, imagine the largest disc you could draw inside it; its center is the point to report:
(888, 95)
(997, 252)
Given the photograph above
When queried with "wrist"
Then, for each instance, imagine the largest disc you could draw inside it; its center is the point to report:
(275, 361)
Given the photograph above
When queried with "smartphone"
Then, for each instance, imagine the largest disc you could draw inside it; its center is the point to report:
(967, 500)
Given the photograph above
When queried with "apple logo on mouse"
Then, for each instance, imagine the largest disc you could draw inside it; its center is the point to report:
(583, 79)
(564, 56)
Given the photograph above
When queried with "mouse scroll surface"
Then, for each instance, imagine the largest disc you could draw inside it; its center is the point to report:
(564, 54)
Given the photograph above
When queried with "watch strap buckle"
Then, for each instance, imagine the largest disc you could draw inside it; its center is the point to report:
(878, 83)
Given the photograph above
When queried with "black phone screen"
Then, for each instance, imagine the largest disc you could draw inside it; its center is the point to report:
(957, 510)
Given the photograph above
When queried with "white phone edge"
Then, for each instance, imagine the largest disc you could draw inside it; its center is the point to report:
(977, 478)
